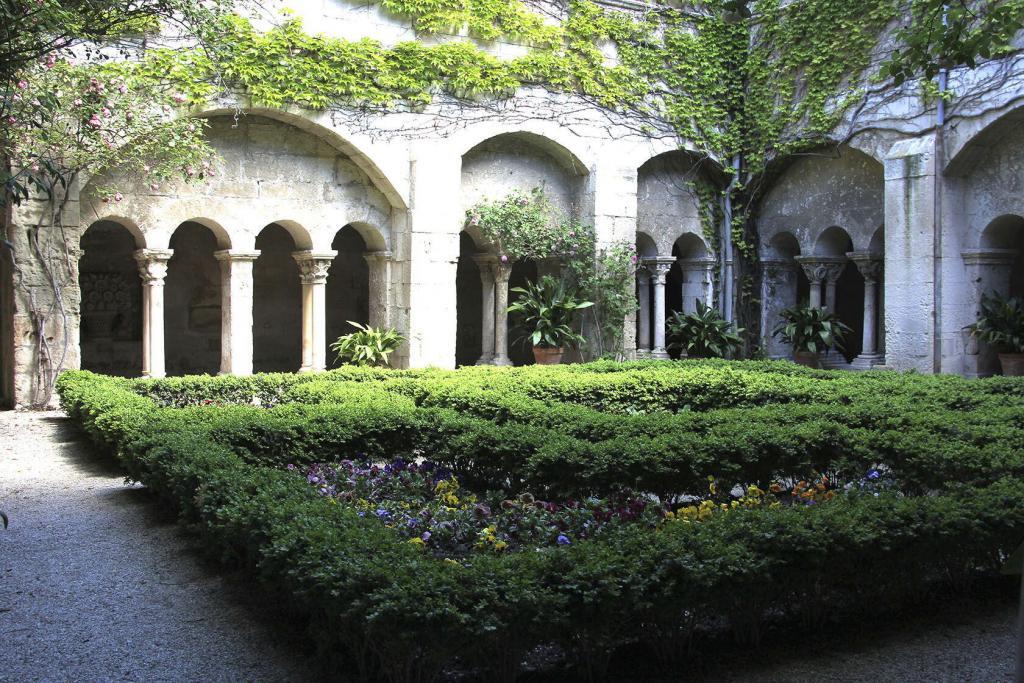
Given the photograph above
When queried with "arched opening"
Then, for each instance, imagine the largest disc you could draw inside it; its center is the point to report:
(996, 266)
(469, 314)
(783, 285)
(111, 309)
(348, 287)
(1006, 234)
(277, 303)
(520, 350)
(192, 302)
(842, 291)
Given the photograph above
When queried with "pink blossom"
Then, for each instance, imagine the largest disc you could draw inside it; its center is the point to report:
(122, 88)
(22, 84)
(16, 97)
(94, 121)
(11, 120)
(154, 186)
(146, 168)
(179, 98)
(190, 171)
(504, 259)
(191, 128)
(50, 61)
(106, 112)
(128, 116)
(77, 102)
(118, 197)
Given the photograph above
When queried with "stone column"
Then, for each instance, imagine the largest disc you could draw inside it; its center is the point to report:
(313, 268)
(659, 268)
(236, 310)
(698, 282)
(502, 272)
(379, 263)
(833, 270)
(153, 269)
(643, 283)
(823, 272)
(486, 263)
(778, 291)
(870, 266)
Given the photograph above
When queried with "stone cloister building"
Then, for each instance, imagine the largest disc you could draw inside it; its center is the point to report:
(318, 218)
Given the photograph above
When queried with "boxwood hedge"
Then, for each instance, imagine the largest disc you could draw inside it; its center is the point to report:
(214, 448)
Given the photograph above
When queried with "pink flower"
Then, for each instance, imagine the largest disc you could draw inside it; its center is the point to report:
(77, 102)
(179, 98)
(128, 116)
(122, 88)
(190, 171)
(504, 259)
(94, 121)
(154, 186)
(118, 197)
(11, 120)
(106, 112)
(50, 61)
(22, 84)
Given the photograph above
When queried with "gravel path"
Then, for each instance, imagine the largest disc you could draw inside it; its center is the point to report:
(98, 583)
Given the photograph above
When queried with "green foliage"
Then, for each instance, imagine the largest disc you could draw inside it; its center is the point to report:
(1000, 323)
(546, 311)
(704, 333)
(811, 329)
(521, 226)
(367, 345)
(393, 610)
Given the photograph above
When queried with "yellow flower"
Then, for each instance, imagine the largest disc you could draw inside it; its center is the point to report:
(417, 541)
(500, 545)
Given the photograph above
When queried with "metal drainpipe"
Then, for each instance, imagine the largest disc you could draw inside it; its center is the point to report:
(727, 260)
(940, 125)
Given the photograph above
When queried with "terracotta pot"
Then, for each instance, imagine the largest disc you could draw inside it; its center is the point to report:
(1013, 364)
(807, 358)
(547, 355)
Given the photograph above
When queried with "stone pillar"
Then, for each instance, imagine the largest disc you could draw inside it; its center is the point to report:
(698, 282)
(823, 272)
(486, 263)
(659, 268)
(643, 283)
(153, 269)
(870, 266)
(379, 263)
(778, 292)
(313, 268)
(988, 270)
(502, 272)
(236, 311)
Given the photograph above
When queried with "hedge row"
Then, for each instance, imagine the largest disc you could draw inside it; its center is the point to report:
(400, 614)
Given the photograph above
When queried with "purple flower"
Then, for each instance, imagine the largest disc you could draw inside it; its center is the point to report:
(382, 513)
(290, 466)
(563, 539)
(425, 536)
(412, 523)
(873, 474)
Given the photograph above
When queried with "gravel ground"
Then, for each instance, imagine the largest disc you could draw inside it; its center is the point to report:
(98, 583)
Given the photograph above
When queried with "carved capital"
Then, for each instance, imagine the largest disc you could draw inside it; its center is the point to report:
(659, 267)
(870, 264)
(236, 256)
(820, 269)
(502, 272)
(313, 267)
(153, 265)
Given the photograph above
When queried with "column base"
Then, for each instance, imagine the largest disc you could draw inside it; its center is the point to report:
(659, 354)
(501, 361)
(867, 361)
(307, 368)
(834, 361)
(643, 353)
(486, 360)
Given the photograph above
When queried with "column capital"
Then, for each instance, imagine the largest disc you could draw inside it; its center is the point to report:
(659, 267)
(372, 257)
(502, 272)
(152, 264)
(869, 263)
(820, 269)
(313, 266)
(705, 263)
(236, 255)
(989, 257)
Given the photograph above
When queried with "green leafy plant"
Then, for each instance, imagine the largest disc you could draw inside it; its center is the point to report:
(546, 310)
(814, 330)
(367, 345)
(1000, 323)
(704, 333)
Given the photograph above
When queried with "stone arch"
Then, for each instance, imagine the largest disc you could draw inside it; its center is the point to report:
(277, 302)
(691, 277)
(348, 285)
(110, 339)
(668, 205)
(551, 140)
(218, 231)
(972, 141)
(645, 245)
(192, 301)
(783, 285)
(128, 224)
(833, 241)
(361, 152)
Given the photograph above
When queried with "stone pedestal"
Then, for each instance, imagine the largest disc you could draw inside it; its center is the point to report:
(236, 311)
(153, 270)
(313, 269)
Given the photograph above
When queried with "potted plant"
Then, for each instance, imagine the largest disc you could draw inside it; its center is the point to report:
(810, 331)
(703, 333)
(1000, 323)
(546, 310)
(367, 345)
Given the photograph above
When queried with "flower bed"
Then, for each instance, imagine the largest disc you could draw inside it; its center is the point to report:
(874, 502)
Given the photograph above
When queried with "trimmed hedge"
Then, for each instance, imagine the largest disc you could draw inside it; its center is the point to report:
(398, 613)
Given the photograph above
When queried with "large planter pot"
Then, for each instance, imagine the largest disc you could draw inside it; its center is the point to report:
(807, 359)
(1013, 364)
(546, 355)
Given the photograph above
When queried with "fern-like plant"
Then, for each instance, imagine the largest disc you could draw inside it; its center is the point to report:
(703, 334)
(367, 345)
(1000, 323)
(813, 330)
